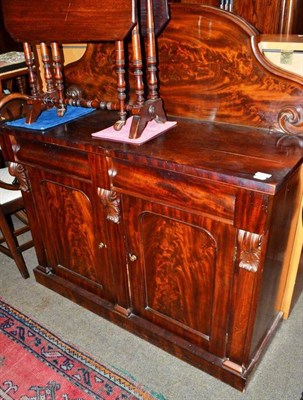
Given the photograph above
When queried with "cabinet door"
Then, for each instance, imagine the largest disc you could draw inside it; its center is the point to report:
(180, 271)
(73, 231)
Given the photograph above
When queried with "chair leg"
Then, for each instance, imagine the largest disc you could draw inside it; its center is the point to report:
(11, 244)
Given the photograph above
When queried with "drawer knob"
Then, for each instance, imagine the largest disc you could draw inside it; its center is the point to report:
(102, 245)
(132, 257)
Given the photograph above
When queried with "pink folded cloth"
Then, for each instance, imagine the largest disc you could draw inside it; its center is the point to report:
(151, 130)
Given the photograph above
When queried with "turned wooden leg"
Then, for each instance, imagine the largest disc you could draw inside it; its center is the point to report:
(120, 64)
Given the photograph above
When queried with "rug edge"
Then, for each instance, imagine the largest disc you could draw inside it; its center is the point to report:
(139, 389)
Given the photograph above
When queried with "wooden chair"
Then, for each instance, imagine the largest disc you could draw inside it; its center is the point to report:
(13, 71)
(11, 204)
(7, 79)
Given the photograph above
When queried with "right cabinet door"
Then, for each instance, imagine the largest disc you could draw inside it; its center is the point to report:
(181, 267)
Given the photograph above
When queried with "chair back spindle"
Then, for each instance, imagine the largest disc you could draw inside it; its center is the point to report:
(33, 82)
(121, 86)
(137, 67)
(48, 74)
(57, 66)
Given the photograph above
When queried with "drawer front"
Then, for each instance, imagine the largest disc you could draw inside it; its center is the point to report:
(49, 156)
(173, 188)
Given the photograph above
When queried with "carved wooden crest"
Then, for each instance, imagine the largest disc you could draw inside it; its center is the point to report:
(290, 121)
(19, 172)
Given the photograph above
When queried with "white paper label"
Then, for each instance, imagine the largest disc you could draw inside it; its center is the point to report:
(262, 176)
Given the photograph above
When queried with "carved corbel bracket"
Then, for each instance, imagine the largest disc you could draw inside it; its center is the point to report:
(19, 172)
(290, 121)
(111, 202)
(250, 250)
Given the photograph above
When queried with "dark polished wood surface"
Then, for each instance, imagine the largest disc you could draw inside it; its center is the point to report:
(62, 18)
(268, 16)
(272, 16)
(185, 147)
(6, 41)
(112, 21)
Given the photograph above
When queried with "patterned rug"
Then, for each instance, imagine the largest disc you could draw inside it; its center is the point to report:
(37, 365)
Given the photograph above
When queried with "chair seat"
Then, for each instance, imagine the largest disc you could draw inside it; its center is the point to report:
(12, 66)
(11, 204)
(12, 61)
(8, 195)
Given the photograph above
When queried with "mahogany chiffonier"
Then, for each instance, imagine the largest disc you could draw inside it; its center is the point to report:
(180, 240)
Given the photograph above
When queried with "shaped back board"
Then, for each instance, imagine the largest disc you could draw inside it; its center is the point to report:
(210, 68)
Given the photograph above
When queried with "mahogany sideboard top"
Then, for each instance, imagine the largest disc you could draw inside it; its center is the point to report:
(220, 152)
(180, 240)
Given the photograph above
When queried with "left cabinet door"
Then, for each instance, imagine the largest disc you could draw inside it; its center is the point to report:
(74, 234)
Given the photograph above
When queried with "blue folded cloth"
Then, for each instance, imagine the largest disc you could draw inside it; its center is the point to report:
(49, 118)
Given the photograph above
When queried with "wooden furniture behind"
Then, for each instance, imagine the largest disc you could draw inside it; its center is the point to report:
(181, 240)
(268, 16)
(7, 78)
(290, 46)
(293, 257)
